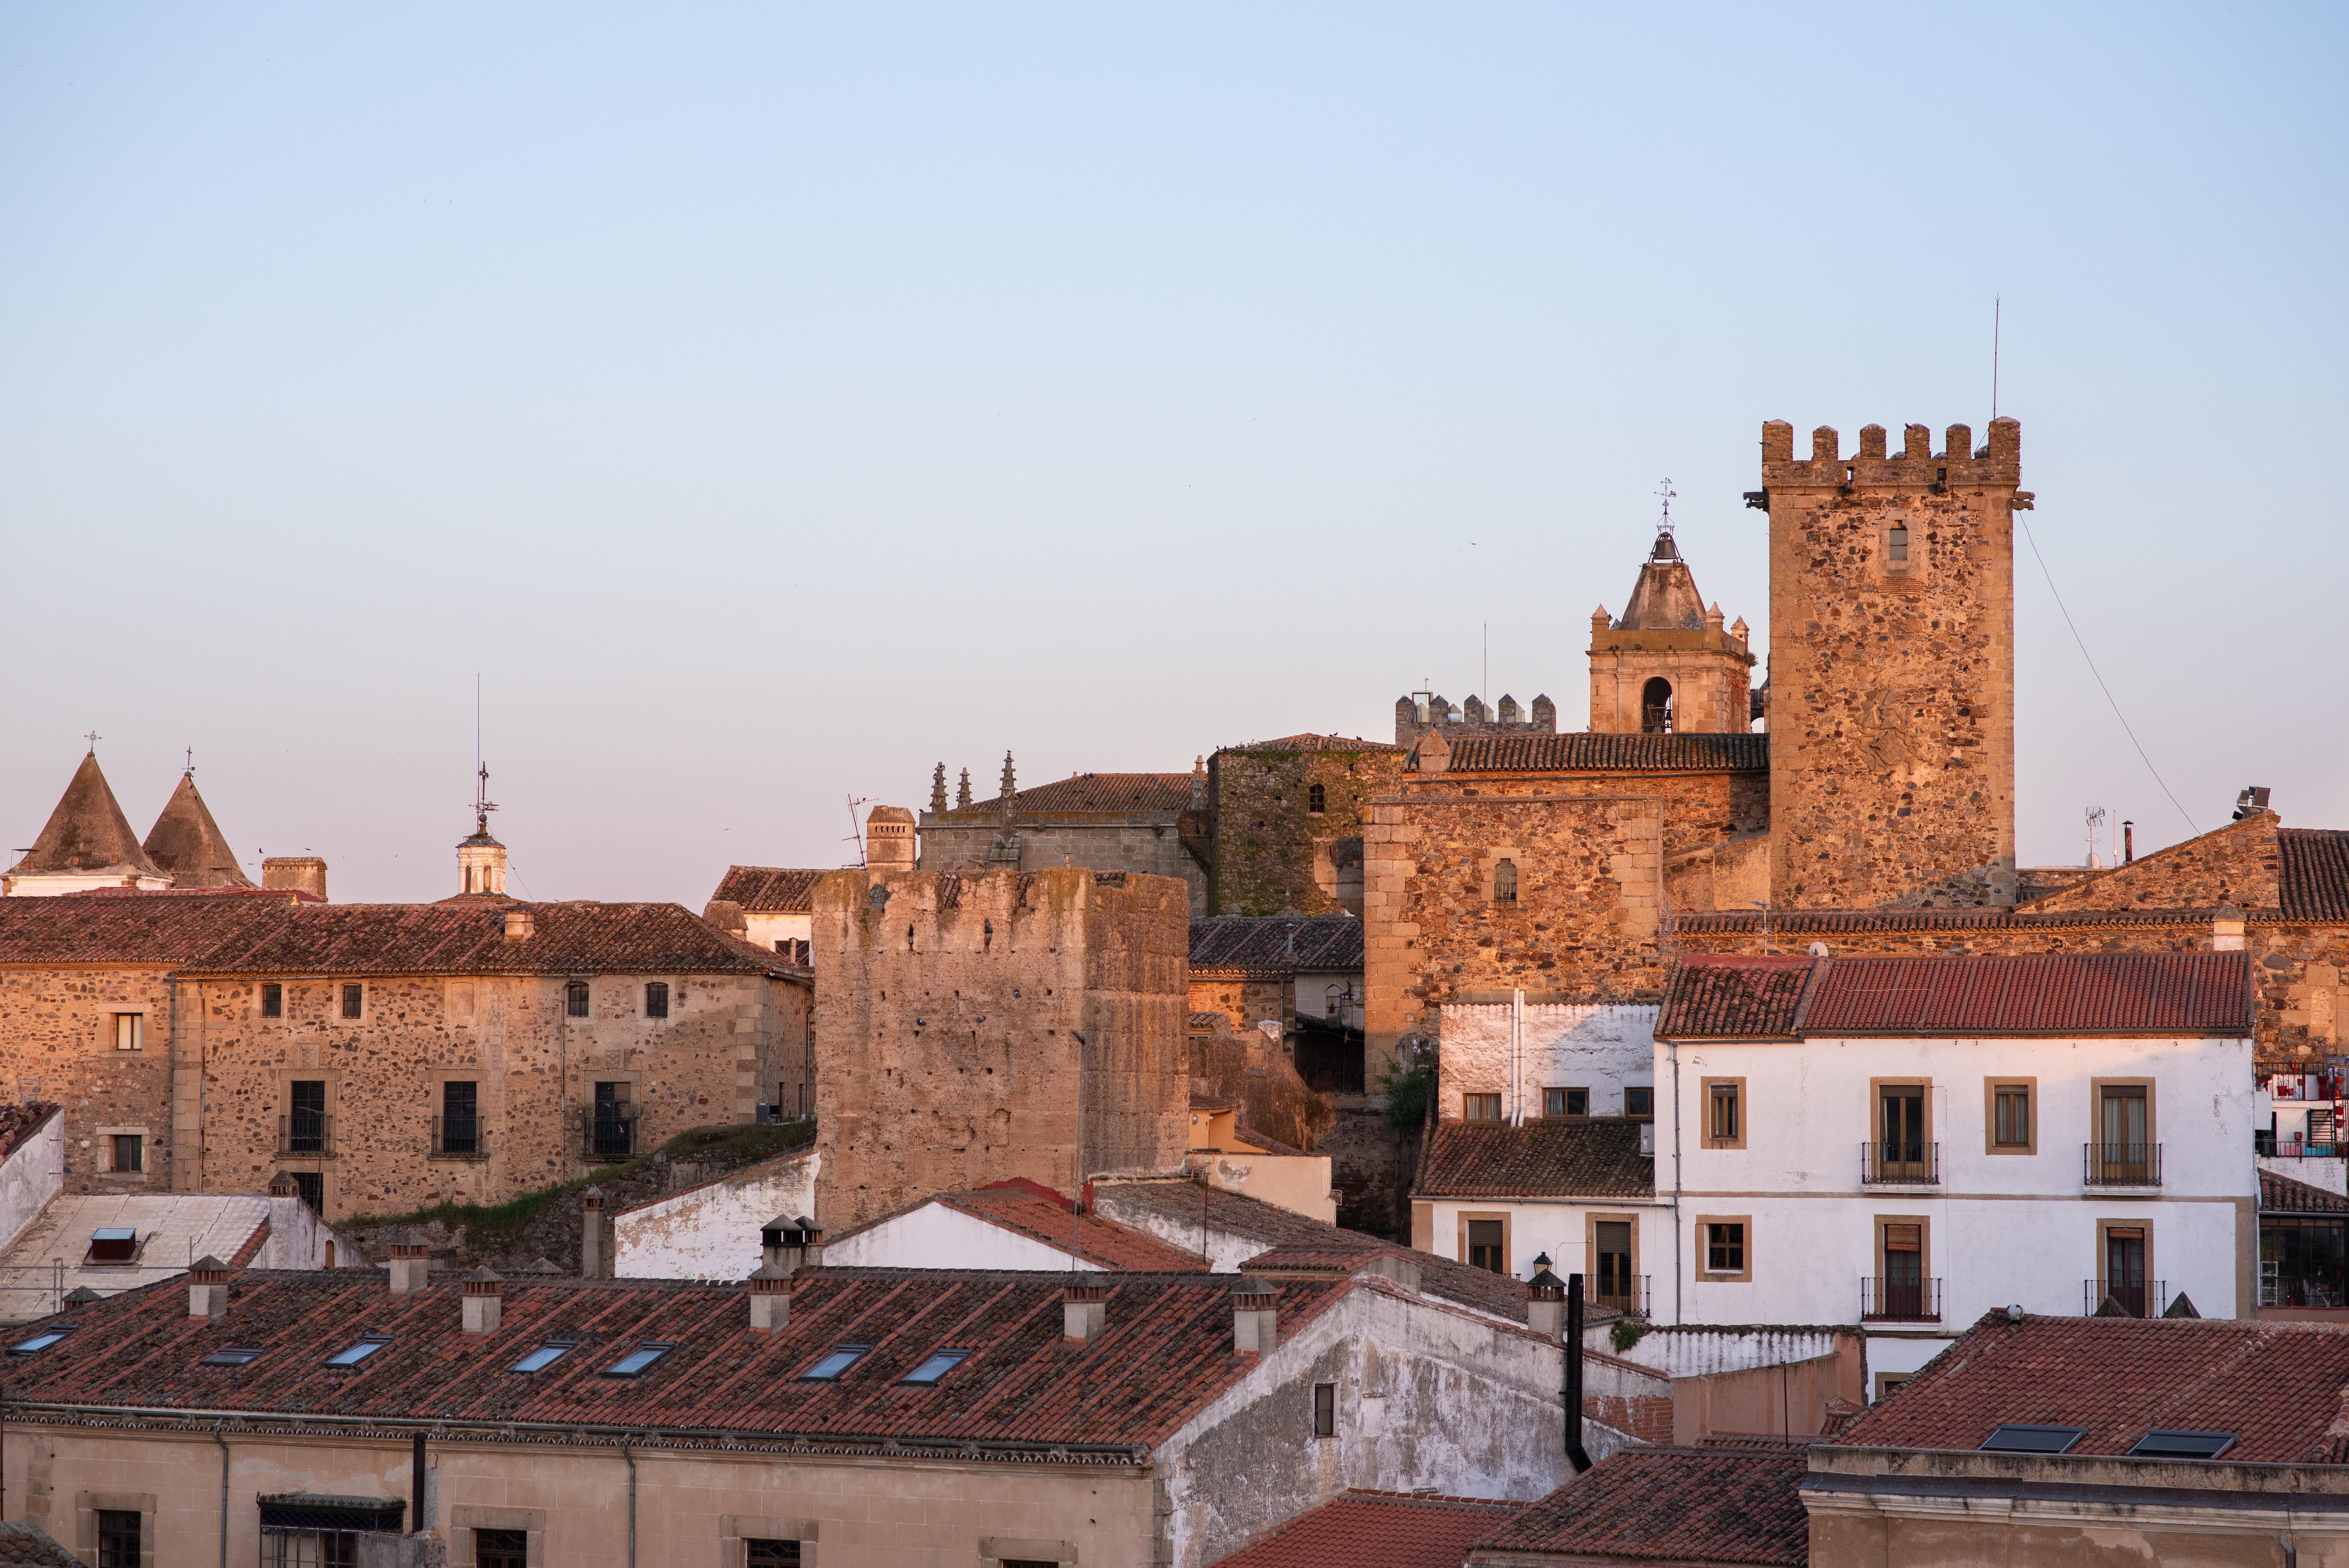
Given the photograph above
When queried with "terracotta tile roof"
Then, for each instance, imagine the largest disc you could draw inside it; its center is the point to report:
(2314, 875)
(1312, 742)
(1209, 1022)
(1584, 752)
(469, 938)
(130, 927)
(1087, 794)
(1786, 924)
(1043, 1215)
(1711, 997)
(1598, 1158)
(189, 846)
(22, 1118)
(1395, 1530)
(24, 1543)
(2279, 1387)
(1276, 944)
(768, 890)
(87, 831)
(1166, 1355)
(1710, 1503)
(2283, 1195)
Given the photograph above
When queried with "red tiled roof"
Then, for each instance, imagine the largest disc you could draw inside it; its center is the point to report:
(448, 939)
(1087, 794)
(1711, 1503)
(1584, 752)
(2278, 1386)
(1598, 1158)
(130, 927)
(1043, 1215)
(2283, 1195)
(1166, 1354)
(768, 890)
(1276, 944)
(1393, 1530)
(24, 1544)
(1312, 742)
(2017, 993)
(2313, 878)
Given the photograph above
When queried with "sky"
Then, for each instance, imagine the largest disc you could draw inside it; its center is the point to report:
(765, 404)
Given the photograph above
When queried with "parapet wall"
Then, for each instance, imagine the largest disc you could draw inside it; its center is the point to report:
(1997, 463)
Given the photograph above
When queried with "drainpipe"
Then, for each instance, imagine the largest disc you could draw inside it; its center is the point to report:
(632, 1503)
(1672, 1055)
(224, 1448)
(417, 1523)
(1574, 1453)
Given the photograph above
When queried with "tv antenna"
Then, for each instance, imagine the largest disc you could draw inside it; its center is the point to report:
(482, 804)
(1997, 308)
(856, 825)
(2095, 817)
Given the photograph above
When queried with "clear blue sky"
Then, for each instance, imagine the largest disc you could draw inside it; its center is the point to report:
(772, 403)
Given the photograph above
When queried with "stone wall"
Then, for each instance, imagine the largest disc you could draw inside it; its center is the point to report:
(2237, 864)
(57, 1043)
(1039, 842)
(1273, 852)
(964, 1016)
(1892, 717)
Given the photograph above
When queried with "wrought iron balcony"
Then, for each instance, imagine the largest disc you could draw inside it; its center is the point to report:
(2121, 1164)
(305, 1134)
(460, 1138)
(606, 1136)
(1900, 1300)
(2116, 1298)
(1908, 1164)
(1625, 1292)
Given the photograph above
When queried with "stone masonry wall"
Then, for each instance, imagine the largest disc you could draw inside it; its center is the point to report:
(2237, 864)
(1273, 852)
(966, 1013)
(1892, 712)
(57, 1043)
(1151, 849)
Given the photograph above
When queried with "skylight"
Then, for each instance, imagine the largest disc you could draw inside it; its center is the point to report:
(42, 1340)
(546, 1355)
(2017, 1439)
(839, 1360)
(636, 1360)
(230, 1356)
(2161, 1444)
(351, 1355)
(935, 1368)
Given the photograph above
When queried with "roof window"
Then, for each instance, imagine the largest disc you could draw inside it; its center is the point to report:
(2162, 1444)
(546, 1355)
(114, 1243)
(43, 1340)
(838, 1359)
(352, 1355)
(636, 1360)
(232, 1355)
(939, 1364)
(2015, 1438)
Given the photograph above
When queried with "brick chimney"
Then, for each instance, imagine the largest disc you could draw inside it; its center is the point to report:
(1084, 1313)
(522, 923)
(591, 1233)
(790, 1244)
(484, 1300)
(1255, 1315)
(1546, 1302)
(295, 874)
(208, 1288)
(771, 1300)
(2227, 929)
(411, 1262)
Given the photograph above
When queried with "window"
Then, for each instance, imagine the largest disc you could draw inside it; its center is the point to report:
(1904, 1147)
(939, 1364)
(546, 1355)
(41, 1341)
(2124, 1151)
(129, 1153)
(2124, 1280)
(2019, 1438)
(1325, 1409)
(300, 1531)
(574, 999)
(2161, 1444)
(771, 1555)
(2010, 1116)
(114, 1244)
(1888, 1381)
(1489, 1245)
(129, 1035)
(836, 1361)
(1504, 882)
(2304, 1261)
(636, 1360)
(351, 1355)
(1565, 1102)
(1725, 1247)
(117, 1538)
(311, 1186)
(1656, 706)
(461, 1121)
(1610, 1248)
(272, 1001)
(230, 1356)
(1897, 542)
(1316, 799)
(1639, 1101)
(511, 1549)
(1480, 1107)
(1724, 1113)
(354, 1000)
(656, 999)
(305, 1119)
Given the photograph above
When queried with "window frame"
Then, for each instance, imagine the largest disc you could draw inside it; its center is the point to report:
(1325, 1411)
(1509, 1240)
(353, 1001)
(114, 1147)
(1488, 869)
(1706, 1087)
(42, 1339)
(137, 1031)
(854, 1355)
(578, 999)
(137, 1530)
(235, 1355)
(1491, 1098)
(661, 988)
(952, 1358)
(1591, 1221)
(1564, 1102)
(1317, 801)
(272, 999)
(2029, 1084)
(554, 1350)
(653, 1353)
(1705, 1272)
(2105, 1225)
(358, 1352)
(1647, 1113)
(2096, 1087)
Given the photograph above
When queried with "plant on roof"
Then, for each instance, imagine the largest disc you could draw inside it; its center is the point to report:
(1627, 1330)
(1408, 1091)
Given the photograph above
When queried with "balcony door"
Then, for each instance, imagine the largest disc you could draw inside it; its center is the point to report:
(2124, 1130)
(1901, 1153)
(2124, 1267)
(1904, 1271)
(1613, 1240)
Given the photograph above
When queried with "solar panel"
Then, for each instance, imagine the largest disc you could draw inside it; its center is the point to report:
(2162, 1444)
(2016, 1437)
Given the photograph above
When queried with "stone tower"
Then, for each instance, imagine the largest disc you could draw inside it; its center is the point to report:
(1668, 663)
(889, 839)
(1891, 667)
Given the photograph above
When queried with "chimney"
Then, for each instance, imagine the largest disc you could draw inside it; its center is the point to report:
(2128, 843)
(411, 1264)
(1084, 1312)
(2227, 929)
(1648, 1139)
(789, 1244)
(1255, 1315)
(727, 915)
(1546, 1302)
(295, 874)
(522, 923)
(771, 1300)
(484, 1301)
(208, 1288)
(591, 1233)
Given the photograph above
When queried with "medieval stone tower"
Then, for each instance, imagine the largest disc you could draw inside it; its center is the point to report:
(1668, 665)
(1891, 667)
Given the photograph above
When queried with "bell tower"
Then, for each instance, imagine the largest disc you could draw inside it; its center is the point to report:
(481, 859)
(1668, 665)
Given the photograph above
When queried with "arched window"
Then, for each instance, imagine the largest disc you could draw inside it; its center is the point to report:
(1899, 542)
(1315, 800)
(1504, 882)
(1656, 707)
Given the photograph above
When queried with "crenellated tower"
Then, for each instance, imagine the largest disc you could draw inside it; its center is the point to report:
(1891, 667)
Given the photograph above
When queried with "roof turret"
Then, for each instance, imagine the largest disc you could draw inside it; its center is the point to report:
(1664, 599)
(189, 845)
(88, 832)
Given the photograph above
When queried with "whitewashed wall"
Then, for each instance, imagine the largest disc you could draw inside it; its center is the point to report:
(1560, 1230)
(1601, 1047)
(33, 1173)
(935, 1236)
(711, 1232)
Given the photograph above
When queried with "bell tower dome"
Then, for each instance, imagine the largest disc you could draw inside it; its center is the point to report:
(1667, 663)
(481, 859)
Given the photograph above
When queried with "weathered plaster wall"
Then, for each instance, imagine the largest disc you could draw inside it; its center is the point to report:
(31, 1176)
(712, 1231)
(1273, 852)
(1603, 1046)
(933, 1236)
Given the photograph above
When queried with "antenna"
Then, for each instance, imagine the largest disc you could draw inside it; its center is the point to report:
(482, 804)
(2096, 820)
(1488, 662)
(856, 825)
(1997, 307)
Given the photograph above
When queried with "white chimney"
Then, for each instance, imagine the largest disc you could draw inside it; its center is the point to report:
(1546, 1303)
(2227, 929)
(208, 1288)
(1084, 1312)
(411, 1264)
(1255, 1315)
(484, 1301)
(522, 923)
(771, 1300)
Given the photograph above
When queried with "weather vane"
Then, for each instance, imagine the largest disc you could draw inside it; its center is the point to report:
(482, 804)
(1666, 492)
(93, 738)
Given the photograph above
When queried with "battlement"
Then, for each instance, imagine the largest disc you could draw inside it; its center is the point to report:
(1424, 712)
(1960, 464)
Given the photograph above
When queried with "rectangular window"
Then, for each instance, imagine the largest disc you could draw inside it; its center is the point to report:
(546, 1355)
(1325, 1409)
(1488, 1246)
(1504, 882)
(939, 1364)
(352, 1355)
(1565, 1102)
(656, 999)
(272, 1001)
(1899, 542)
(1611, 1246)
(129, 1031)
(354, 1000)
(1904, 1150)
(2011, 1116)
(117, 1538)
(574, 999)
(1639, 1101)
(232, 1355)
(1480, 1107)
(460, 1120)
(129, 1153)
(1725, 1247)
(312, 1187)
(305, 1120)
(771, 1555)
(637, 1360)
(1724, 1113)
(511, 1549)
(836, 1361)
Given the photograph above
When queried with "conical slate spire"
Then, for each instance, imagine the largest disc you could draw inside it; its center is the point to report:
(189, 846)
(88, 832)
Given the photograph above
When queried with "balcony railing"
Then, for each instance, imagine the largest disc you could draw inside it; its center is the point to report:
(2121, 1164)
(305, 1133)
(2145, 1299)
(606, 1136)
(1911, 1163)
(1624, 1293)
(2267, 1145)
(1900, 1300)
(460, 1138)
(2312, 1288)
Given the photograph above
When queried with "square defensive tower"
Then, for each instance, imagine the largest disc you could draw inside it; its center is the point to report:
(1891, 667)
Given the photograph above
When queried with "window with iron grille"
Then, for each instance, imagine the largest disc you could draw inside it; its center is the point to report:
(353, 1001)
(1504, 882)
(461, 1121)
(306, 1116)
(272, 1001)
(1316, 799)
(574, 999)
(656, 999)
(511, 1549)
(772, 1554)
(117, 1537)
